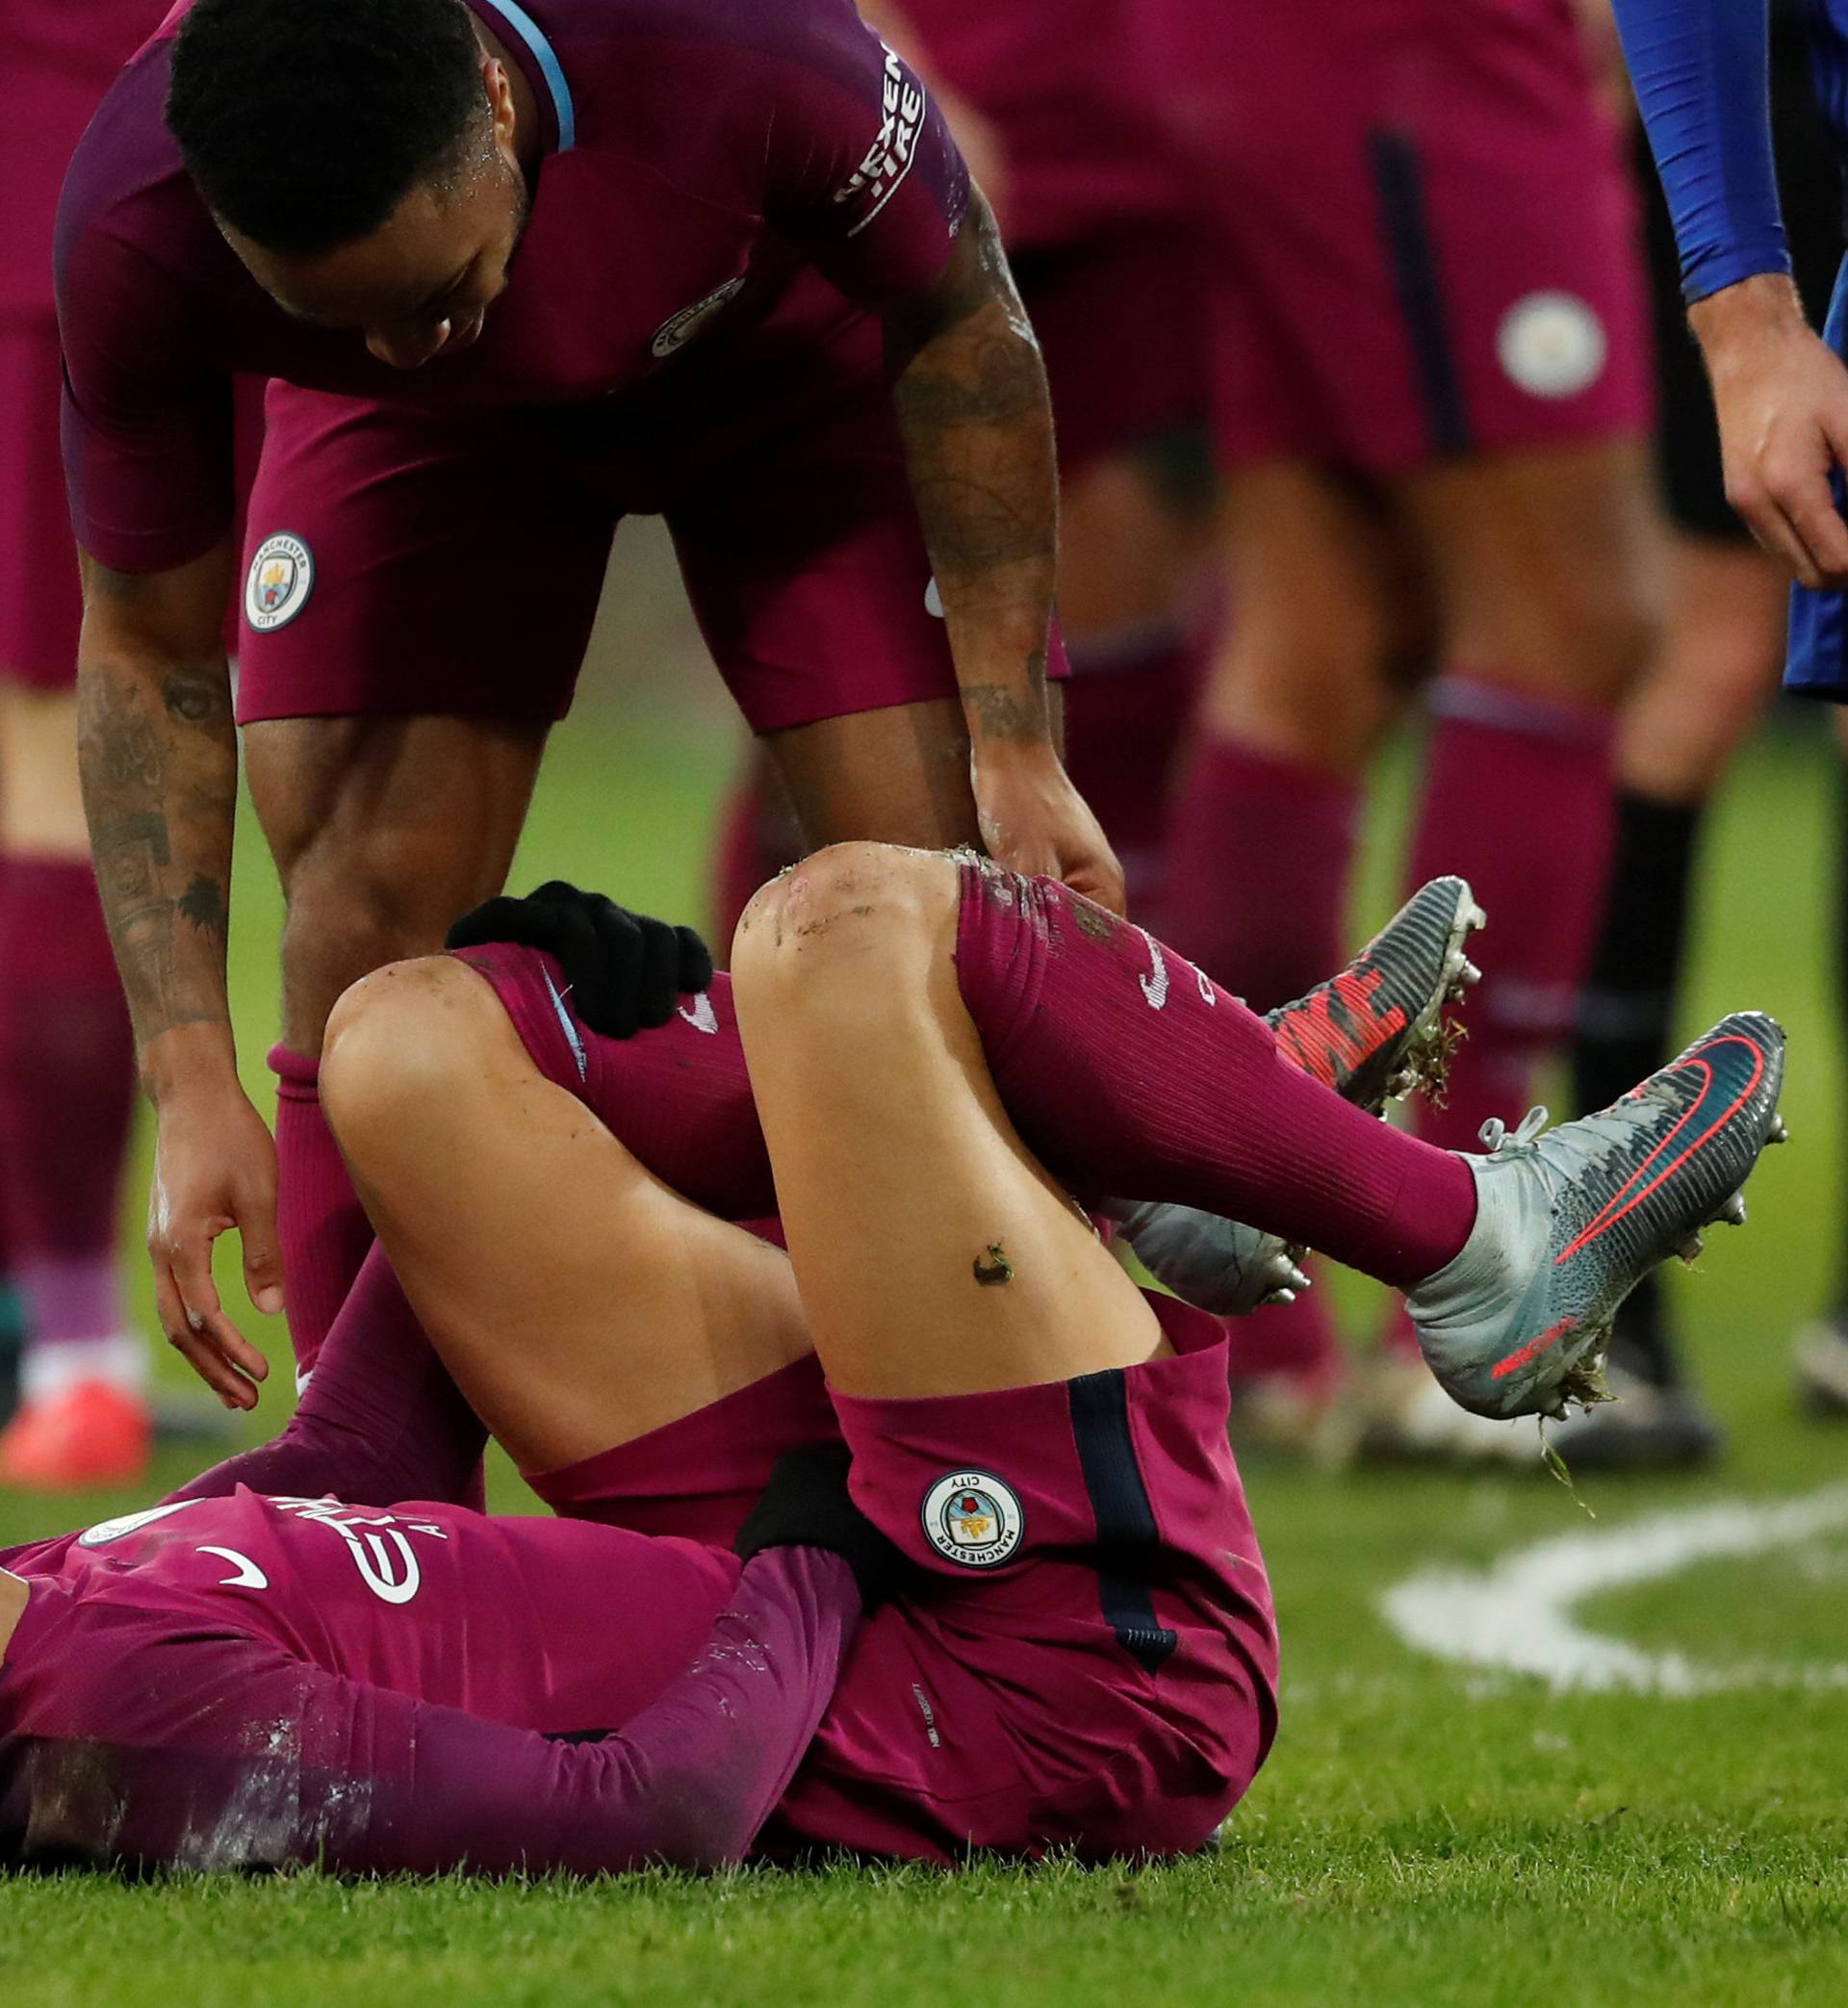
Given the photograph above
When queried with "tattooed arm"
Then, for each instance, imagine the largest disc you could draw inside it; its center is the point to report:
(158, 752)
(970, 394)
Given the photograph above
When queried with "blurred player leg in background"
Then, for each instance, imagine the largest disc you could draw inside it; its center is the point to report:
(1431, 394)
(1116, 315)
(1043, 101)
(1717, 669)
(1308, 678)
(66, 1057)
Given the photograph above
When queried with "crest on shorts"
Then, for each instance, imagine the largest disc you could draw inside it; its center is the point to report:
(282, 576)
(678, 329)
(973, 1519)
(1551, 345)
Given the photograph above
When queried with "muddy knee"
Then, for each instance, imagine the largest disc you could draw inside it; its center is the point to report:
(861, 912)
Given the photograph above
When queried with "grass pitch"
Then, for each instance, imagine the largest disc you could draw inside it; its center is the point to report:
(1425, 1833)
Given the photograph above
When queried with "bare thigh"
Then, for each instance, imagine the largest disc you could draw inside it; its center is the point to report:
(1326, 616)
(576, 1301)
(41, 807)
(1548, 564)
(933, 1254)
(1128, 555)
(384, 830)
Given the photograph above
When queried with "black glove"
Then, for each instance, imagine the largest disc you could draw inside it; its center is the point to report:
(624, 970)
(806, 1504)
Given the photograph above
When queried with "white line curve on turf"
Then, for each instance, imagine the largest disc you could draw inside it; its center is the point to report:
(1515, 1616)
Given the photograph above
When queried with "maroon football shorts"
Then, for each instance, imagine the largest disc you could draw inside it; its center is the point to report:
(1424, 225)
(41, 605)
(1085, 1655)
(1118, 319)
(413, 561)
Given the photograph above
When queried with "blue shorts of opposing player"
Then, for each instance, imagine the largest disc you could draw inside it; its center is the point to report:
(1815, 662)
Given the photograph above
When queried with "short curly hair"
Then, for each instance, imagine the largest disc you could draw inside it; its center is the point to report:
(304, 125)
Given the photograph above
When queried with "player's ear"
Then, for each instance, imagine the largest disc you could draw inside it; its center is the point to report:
(500, 90)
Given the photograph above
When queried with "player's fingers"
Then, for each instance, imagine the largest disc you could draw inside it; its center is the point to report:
(262, 1260)
(168, 1307)
(1786, 542)
(556, 892)
(659, 992)
(233, 1388)
(497, 920)
(1766, 521)
(1817, 526)
(1828, 542)
(192, 1264)
(1100, 878)
(1032, 861)
(197, 1348)
(696, 961)
(590, 950)
(1017, 842)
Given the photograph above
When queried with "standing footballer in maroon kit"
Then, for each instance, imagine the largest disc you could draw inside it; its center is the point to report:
(1431, 407)
(66, 1057)
(1079, 1648)
(518, 273)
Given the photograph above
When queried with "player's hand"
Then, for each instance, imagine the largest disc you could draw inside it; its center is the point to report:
(806, 1505)
(1781, 395)
(214, 1167)
(1032, 820)
(626, 971)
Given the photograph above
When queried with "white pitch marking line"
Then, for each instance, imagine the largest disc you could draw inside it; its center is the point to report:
(1515, 1616)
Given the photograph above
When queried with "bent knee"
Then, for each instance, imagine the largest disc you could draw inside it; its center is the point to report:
(1589, 639)
(847, 904)
(1623, 629)
(397, 1037)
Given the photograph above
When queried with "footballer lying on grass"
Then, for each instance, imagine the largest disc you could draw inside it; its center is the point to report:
(1041, 1619)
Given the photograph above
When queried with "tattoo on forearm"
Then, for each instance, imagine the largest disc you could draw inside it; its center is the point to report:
(204, 903)
(972, 408)
(200, 696)
(160, 787)
(998, 712)
(977, 434)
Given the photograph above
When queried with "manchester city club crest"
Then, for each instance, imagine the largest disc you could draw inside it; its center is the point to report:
(973, 1519)
(282, 576)
(1551, 345)
(678, 329)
